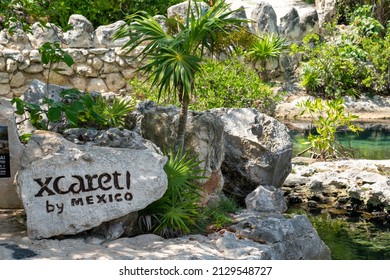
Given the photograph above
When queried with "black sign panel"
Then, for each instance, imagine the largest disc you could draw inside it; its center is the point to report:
(5, 170)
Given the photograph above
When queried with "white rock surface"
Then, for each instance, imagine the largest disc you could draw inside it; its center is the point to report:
(68, 188)
(267, 199)
(256, 237)
(12, 146)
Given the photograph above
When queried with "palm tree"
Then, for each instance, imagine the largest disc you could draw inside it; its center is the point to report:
(173, 60)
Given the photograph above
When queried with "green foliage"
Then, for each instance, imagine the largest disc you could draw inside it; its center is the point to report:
(18, 13)
(363, 20)
(238, 40)
(222, 84)
(53, 53)
(114, 114)
(231, 84)
(328, 116)
(178, 209)
(269, 46)
(311, 78)
(218, 215)
(379, 10)
(353, 240)
(354, 63)
(74, 109)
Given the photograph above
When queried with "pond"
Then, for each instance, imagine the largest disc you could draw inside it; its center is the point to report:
(372, 143)
(352, 238)
(358, 237)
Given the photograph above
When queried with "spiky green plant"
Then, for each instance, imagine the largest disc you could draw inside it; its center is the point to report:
(178, 209)
(311, 79)
(115, 113)
(268, 46)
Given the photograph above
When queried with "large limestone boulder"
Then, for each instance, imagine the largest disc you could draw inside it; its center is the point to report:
(81, 35)
(340, 186)
(290, 25)
(10, 156)
(41, 34)
(204, 135)
(104, 36)
(264, 17)
(310, 23)
(288, 238)
(258, 150)
(180, 10)
(67, 188)
(327, 10)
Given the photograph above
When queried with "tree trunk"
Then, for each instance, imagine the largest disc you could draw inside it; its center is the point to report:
(179, 145)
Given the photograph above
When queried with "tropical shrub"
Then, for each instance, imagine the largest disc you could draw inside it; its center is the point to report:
(353, 63)
(179, 208)
(74, 109)
(221, 84)
(328, 116)
(231, 84)
(380, 9)
(53, 53)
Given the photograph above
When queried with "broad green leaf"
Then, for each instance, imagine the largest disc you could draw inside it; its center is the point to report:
(54, 114)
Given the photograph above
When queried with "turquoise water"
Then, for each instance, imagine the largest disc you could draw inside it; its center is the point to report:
(369, 144)
(352, 238)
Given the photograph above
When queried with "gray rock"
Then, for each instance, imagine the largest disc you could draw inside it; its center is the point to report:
(266, 199)
(81, 35)
(68, 188)
(204, 134)
(258, 151)
(10, 156)
(265, 18)
(290, 25)
(41, 34)
(288, 239)
(38, 90)
(103, 36)
(358, 184)
(327, 10)
(180, 10)
(17, 40)
(126, 226)
(310, 23)
(113, 137)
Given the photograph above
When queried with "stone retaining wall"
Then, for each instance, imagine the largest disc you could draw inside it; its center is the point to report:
(100, 63)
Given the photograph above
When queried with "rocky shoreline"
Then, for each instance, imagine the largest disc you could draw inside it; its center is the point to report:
(345, 187)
